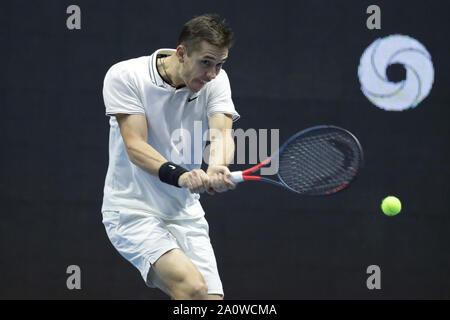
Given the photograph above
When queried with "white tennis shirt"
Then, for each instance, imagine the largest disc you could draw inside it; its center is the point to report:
(173, 116)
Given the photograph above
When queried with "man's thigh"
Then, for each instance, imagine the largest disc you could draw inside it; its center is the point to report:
(172, 270)
(193, 239)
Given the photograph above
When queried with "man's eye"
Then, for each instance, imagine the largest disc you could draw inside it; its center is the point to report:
(206, 62)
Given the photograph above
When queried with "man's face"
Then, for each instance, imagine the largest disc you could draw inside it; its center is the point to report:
(202, 65)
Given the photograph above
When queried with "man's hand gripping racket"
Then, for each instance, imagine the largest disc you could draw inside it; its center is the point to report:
(321, 160)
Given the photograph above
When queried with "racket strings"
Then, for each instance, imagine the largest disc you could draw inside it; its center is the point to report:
(334, 157)
(319, 163)
(304, 177)
(314, 164)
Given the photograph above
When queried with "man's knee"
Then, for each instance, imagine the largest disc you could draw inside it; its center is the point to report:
(194, 290)
(198, 291)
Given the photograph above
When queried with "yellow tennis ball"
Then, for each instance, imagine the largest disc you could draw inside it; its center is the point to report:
(391, 206)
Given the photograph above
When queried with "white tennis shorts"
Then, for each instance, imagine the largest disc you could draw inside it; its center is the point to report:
(143, 238)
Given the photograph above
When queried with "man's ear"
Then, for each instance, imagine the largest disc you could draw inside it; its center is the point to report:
(181, 52)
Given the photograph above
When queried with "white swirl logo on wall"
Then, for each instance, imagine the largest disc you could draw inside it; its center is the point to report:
(396, 96)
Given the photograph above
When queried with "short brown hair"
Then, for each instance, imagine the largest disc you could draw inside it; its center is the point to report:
(208, 27)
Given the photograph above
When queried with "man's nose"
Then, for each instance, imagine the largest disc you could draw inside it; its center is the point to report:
(211, 75)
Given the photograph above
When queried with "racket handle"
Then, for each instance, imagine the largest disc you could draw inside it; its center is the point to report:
(236, 176)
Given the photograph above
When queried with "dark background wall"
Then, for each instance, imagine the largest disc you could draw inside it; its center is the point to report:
(294, 65)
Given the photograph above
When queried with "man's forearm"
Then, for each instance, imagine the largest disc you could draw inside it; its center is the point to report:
(221, 150)
(146, 157)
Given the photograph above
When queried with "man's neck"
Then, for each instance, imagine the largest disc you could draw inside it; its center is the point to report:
(168, 70)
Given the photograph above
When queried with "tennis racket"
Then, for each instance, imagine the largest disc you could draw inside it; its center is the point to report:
(321, 160)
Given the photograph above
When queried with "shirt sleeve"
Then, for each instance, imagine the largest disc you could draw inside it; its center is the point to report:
(219, 98)
(120, 94)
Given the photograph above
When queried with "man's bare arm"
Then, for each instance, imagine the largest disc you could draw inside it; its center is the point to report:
(222, 143)
(221, 152)
(135, 136)
(133, 128)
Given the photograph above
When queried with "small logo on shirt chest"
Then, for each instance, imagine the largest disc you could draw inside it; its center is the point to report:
(192, 99)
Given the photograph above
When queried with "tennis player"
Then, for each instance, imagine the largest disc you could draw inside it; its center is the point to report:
(151, 209)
